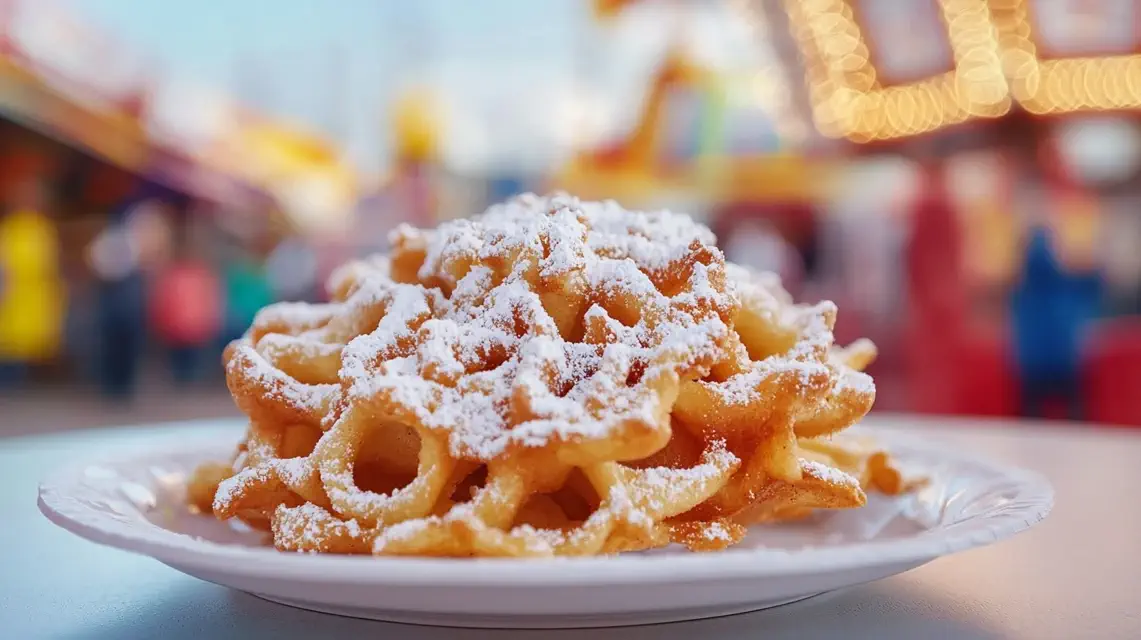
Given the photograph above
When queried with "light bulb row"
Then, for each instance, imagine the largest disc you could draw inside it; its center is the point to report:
(994, 63)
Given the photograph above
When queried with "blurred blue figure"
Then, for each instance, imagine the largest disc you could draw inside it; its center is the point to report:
(121, 292)
(1051, 308)
(504, 187)
(118, 257)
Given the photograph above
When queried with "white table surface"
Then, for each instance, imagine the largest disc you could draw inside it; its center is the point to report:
(1077, 575)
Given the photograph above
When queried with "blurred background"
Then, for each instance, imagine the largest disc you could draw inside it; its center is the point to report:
(963, 177)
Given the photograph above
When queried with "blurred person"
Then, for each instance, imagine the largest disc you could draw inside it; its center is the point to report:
(331, 254)
(860, 258)
(247, 291)
(1050, 308)
(934, 256)
(292, 271)
(1121, 259)
(936, 303)
(374, 216)
(32, 292)
(186, 311)
(114, 257)
(150, 224)
(756, 243)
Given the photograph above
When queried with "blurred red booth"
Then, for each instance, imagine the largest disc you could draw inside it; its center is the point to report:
(967, 372)
(1112, 372)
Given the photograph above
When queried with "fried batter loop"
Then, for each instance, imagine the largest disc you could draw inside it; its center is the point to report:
(552, 377)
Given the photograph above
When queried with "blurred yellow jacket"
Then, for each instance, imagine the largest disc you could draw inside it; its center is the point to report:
(31, 290)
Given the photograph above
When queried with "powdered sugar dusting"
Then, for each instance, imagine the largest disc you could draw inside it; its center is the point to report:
(540, 387)
(232, 486)
(856, 382)
(653, 240)
(716, 532)
(294, 316)
(804, 364)
(294, 471)
(749, 387)
(541, 321)
(405, 531)
(277, 385)
(714, 464)
(310, 527)
(828, 474)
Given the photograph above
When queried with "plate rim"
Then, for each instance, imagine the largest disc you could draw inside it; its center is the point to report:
(1036, 499)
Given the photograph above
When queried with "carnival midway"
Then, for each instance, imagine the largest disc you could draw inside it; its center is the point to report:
(959, 169)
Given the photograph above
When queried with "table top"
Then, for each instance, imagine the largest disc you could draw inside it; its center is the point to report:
(1077, 575)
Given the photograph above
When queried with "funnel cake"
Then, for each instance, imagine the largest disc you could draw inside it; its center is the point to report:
(551, 377)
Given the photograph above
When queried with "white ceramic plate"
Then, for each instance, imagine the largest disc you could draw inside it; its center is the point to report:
(134, 501)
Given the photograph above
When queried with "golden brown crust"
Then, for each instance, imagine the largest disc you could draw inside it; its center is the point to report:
(550, 378)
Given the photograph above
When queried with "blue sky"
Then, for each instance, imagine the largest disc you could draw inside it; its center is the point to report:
(210, 38)
(336, 65)
(506, 69)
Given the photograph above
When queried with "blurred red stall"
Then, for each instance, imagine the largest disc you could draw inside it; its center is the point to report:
(1079, 62)
(936, 79)
(1113, 375)
(910, 72)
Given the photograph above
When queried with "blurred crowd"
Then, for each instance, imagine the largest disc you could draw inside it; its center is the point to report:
(998, 306)
(145, 279)
(995, 263)
(156, 281)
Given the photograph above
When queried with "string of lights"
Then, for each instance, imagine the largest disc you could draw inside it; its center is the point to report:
(1043, 85)
(851, 100)
(998, 59)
